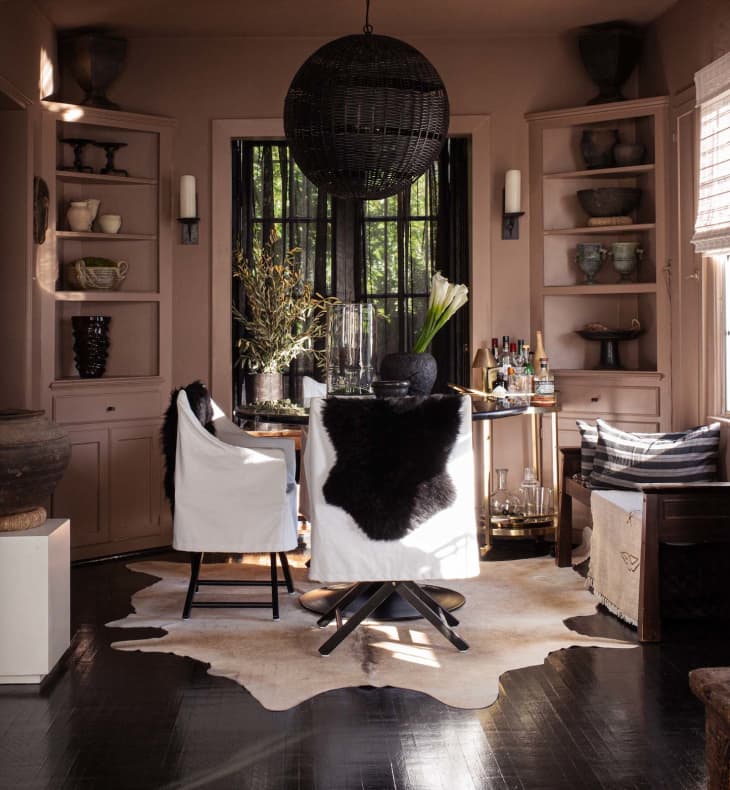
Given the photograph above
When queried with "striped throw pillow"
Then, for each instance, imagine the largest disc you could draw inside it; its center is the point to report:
(628, 460)
(588, 442)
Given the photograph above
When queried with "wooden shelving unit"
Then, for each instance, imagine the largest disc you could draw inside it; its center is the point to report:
(112, 488)
(562, 302)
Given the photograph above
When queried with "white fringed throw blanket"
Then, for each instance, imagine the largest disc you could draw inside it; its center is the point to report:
(613, 574)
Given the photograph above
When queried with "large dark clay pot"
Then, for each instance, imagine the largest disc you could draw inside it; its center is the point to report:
(34, 453)
(419, 370)
(609, 52)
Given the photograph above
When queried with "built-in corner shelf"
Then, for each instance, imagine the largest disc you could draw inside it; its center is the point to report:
(76, 177)
(97, 236)
(601, 229)
(603, 172)
(106, 296)
(599, 289)
(112, 486)
(636, 393)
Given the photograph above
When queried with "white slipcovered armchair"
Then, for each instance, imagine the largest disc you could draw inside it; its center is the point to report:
(400, 512)
(234, 493)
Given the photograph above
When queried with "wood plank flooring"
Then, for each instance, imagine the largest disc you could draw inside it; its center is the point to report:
(587, 718)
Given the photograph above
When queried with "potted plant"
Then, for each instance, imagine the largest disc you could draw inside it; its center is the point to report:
(282, 315)
(418, 366)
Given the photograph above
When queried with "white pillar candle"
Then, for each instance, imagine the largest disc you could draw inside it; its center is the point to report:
(187, 197)
(512, 197)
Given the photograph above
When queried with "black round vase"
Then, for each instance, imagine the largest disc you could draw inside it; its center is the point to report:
(609, 52)
(419, 370)
(91, 344)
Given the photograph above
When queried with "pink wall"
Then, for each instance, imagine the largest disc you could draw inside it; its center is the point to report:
(197, 81)
(23, 32)
(691, 34)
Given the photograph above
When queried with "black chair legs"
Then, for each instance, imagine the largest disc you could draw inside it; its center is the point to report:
(419, 599)
(274, 583)
(195, 560)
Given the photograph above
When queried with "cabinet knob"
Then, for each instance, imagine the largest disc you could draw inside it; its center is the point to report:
(595, 399)
(111, 408)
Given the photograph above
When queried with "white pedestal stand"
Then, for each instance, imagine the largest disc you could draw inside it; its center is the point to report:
(35, 600)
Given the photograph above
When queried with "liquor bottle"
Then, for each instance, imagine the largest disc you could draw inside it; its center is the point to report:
(544, 385)
(505, 361)
(540, 352)
(520, 357)
(495, 348)
(527, 355)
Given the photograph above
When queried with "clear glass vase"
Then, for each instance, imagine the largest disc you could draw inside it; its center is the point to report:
(502, 501)
(349, 349)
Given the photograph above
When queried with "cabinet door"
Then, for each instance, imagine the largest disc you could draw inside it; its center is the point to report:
(82, 494)
(136, 475)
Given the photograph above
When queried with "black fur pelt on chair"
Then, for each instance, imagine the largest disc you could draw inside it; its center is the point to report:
(200, 403)
(391, 473)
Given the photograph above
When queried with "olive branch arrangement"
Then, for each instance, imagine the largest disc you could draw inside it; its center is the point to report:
(283, 315)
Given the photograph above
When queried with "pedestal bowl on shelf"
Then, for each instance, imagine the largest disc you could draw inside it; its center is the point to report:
(609, 340)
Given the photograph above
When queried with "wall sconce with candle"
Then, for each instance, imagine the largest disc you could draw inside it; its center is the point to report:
(511, 202)
(188, 217)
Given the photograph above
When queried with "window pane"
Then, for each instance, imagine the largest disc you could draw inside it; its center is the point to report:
(726, 328)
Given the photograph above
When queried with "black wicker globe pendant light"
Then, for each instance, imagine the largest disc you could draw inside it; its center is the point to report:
(366, 115)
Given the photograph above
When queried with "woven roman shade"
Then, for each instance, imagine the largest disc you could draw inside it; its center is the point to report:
(712, 228)
(365, 116)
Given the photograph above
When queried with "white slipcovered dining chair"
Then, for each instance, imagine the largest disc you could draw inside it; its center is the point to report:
(391, 486)
(234, 493)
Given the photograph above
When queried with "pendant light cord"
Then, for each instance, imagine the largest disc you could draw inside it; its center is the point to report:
(367, 27)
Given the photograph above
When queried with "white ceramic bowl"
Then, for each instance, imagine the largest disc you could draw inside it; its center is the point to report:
(110, 223)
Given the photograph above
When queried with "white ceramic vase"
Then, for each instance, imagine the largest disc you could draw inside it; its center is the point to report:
(78, 216)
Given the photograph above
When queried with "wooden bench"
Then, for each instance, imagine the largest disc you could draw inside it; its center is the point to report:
(671, 513)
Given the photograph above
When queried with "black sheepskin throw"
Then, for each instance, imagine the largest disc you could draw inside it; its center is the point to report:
(200, 403)
(390, 473)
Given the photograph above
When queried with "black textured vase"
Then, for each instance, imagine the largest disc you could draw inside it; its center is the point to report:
(419, 370)
(91, 344)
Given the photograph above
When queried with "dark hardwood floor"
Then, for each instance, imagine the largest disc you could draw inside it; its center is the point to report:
(587, 718)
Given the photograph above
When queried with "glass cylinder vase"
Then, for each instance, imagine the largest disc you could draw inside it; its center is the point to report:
(349, 349)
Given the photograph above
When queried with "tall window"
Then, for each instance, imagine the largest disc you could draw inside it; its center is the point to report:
(382, 251)
(712, 228)
(725, 329)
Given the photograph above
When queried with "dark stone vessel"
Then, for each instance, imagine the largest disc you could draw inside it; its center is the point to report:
(34, 453)
(420, 370)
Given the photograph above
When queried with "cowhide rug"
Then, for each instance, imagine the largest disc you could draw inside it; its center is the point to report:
(513, 617)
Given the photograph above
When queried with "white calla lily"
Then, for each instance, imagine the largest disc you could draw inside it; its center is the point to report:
(445, 299)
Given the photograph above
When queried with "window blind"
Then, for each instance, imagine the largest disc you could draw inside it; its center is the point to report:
(712, 228)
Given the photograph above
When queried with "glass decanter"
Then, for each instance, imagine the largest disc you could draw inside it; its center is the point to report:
(528, 489)
(504, 502)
